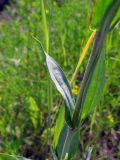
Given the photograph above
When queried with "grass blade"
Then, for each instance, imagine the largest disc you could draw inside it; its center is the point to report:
(90, 40)
(46, 32)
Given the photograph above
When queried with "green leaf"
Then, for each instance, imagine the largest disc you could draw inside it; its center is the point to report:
(96, 87)
(74, 145)
(62, 85)
(99, 11)
(60, 81)
(61, 141)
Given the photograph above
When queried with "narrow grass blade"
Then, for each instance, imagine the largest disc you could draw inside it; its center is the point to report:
(46, 32)
(49, 87)
(90, 40)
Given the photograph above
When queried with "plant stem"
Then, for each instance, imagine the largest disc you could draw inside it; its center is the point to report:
(49, 89)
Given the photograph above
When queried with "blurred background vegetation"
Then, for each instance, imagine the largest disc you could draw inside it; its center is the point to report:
(24, 127)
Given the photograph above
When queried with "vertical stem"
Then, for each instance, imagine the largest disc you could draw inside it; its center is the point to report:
(49, 89)
(46, 34)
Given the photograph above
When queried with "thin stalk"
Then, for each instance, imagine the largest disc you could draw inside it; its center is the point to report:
(49, 89)
(46, 35)
(46, 31)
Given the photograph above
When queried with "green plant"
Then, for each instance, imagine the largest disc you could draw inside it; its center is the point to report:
(23, 81)
(91, 87)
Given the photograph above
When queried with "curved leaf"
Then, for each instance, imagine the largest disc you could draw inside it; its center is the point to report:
(60, 81)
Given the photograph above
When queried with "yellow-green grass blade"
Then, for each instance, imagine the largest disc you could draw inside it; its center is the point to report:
(90, 40)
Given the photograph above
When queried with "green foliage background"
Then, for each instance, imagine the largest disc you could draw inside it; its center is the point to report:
(23, 81)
